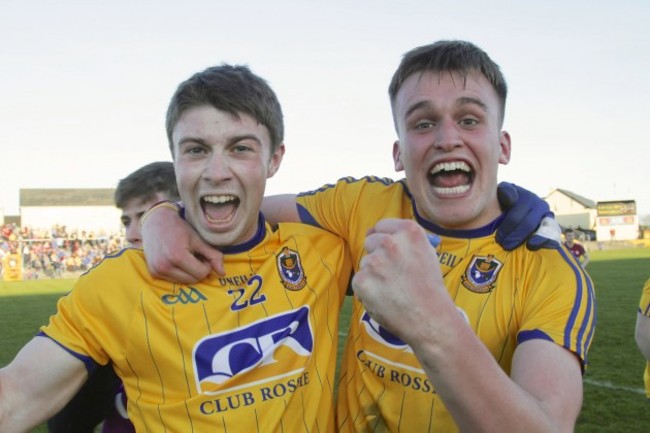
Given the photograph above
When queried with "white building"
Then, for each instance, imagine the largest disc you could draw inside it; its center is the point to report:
(572, 210)
(609, 221)
(77, 209)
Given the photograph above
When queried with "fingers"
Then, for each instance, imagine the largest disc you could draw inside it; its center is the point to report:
(182, 267)
(507, 195)
(397, 228)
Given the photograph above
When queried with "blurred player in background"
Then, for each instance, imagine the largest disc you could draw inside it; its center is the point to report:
(576, 249)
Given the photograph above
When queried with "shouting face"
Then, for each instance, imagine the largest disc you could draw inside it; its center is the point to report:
(222, 163)
(450, 145)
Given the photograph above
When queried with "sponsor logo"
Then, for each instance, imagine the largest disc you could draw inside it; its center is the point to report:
(481, 274)
(184, 296)
(382, 335)
(290, 269)
(274, 347)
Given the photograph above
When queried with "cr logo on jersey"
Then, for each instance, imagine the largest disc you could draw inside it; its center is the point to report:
(290, 269)
(275, 347)
(382, 335)
(481, 274)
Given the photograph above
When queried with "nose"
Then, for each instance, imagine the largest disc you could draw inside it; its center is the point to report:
(133, 237)
(217, 168)
(447, 135)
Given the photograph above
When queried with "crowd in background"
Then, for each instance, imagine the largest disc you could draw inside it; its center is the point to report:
(57, 251)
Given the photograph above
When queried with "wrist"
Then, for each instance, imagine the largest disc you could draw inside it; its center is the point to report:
(165, 204)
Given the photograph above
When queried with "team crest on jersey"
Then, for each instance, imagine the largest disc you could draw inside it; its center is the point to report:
(290, 269)
(481, 274)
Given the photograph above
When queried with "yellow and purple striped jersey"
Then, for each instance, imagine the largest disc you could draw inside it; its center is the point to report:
(507, 296)
(252, 351)
(644, 308)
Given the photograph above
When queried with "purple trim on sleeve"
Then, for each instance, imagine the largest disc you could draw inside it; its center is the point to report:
(90, 363)
(534, 334)
(306, 217)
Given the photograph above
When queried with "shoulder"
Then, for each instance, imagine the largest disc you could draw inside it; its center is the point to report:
(306, 233)
(352, 184)
(119, 264)
(551, 266)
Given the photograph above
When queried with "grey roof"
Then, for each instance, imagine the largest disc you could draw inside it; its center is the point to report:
(580, 199)
(67, 197)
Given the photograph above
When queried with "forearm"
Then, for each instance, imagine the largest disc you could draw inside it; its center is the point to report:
(14, 411)
(37, 384)
(480, 396)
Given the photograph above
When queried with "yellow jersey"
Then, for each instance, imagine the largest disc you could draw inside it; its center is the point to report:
(507, 297)
(252, 351)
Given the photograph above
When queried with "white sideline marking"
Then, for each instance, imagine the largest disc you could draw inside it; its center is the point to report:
(610, 385)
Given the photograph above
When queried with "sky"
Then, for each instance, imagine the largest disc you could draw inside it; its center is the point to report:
(84, 85)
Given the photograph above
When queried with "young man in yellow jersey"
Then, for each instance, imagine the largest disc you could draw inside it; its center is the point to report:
(471, 337)
(250, 349)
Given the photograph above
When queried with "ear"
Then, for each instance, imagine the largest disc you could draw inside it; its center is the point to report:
(505, 148)
(275, 161)
(397, 156)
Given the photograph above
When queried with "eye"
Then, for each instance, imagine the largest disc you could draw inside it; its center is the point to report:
(195, 150)
(241, 147)
(424, 124)
(468, 121)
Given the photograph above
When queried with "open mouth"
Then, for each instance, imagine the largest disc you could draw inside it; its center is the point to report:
(451, 178)
(219, 209)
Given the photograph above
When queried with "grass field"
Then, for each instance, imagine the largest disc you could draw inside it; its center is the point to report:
(613, 402)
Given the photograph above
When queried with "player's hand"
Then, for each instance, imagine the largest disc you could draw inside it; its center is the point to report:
(174, 251)
(525, 213)
(399, 280)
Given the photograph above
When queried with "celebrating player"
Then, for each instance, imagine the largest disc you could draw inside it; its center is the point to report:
(477, 337)
(253, 349)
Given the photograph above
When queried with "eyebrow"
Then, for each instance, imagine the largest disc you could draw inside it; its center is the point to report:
(464, 100)
(231, 140)
(467, 100)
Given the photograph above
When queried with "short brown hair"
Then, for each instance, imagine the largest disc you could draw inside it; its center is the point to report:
(233, 89)
(449, 56)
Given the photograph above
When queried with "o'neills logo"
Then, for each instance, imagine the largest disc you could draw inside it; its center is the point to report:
(481, 274)
(290, 269)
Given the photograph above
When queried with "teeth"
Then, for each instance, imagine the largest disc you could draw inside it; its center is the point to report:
(450, 166)
(452, 190)
(219, 199)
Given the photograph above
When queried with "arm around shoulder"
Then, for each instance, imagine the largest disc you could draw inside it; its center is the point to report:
(280, 208)
(37, 383)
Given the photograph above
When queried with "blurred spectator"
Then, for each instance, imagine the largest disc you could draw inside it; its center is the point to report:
(55, 252)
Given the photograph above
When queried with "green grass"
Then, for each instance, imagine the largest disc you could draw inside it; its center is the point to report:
(24, 307)
(614, 378)
(613, 382)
